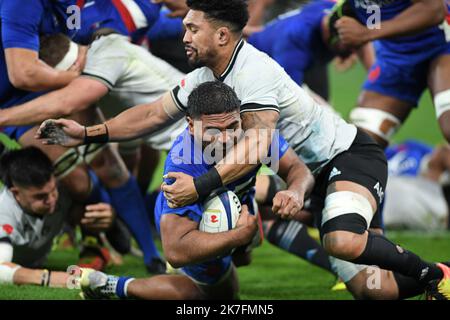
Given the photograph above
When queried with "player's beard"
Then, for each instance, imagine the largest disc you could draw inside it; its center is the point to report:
(196, 61)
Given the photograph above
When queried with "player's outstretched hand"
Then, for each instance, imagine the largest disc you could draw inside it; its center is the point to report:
(247, 224)
(287, 204)
(181, 192)
(67, 133)
(178, 8)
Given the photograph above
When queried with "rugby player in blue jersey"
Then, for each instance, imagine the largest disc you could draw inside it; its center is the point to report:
(211, 106)
(412, 53)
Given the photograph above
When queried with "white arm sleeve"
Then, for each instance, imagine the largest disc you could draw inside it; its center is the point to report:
(6, 252)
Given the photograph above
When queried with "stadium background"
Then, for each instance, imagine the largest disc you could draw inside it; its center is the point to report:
(273, 273)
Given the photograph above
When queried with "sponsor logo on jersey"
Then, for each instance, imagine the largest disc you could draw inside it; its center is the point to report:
(335, 172)
(380, 191)
(8, 228)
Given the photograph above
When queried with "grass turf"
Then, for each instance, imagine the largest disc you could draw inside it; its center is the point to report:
(273, 273)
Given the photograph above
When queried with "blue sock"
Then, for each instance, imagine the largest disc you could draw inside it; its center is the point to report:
(121, 287)
(98, 192)
(129, 204)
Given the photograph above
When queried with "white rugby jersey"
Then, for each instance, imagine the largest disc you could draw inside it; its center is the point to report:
(134, 76)
(316, 134)
(31, 236)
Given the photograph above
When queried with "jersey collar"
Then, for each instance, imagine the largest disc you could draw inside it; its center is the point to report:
(233, 59)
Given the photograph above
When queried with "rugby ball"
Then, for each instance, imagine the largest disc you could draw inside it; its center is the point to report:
(220, 212)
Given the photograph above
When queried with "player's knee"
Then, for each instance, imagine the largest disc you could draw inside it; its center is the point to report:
(342, 244)
(345, 219)
(380, 125)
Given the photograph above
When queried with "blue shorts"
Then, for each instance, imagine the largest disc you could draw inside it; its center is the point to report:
(402, 76)
(16, 132)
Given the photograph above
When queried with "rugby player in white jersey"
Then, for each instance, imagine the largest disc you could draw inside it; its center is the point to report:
(350, 168)
(33, 212)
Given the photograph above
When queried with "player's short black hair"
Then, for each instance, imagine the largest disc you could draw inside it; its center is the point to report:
(213, 97)
(234, 12)
(53, 48)
(28, 167)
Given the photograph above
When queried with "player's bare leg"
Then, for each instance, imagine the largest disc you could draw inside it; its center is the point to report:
(439, 84)
(98, 285)
(347, 240)
(382, 125)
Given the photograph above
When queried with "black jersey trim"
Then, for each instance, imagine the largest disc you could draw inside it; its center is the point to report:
(254, 107)
(232, 60)
(105, 81)
(174, 94)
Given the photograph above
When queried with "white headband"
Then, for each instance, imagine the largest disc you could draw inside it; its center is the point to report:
(69, 59)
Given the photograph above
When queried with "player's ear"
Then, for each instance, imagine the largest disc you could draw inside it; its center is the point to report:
(190, 124)
(14, 191)
(224, 36)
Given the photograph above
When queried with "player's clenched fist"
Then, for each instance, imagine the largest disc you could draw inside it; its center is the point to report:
(247, 224)
(351, 32)
(287, 204)
(67, 133)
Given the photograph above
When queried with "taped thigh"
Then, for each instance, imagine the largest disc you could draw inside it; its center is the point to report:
(379, 122)
(344, 203)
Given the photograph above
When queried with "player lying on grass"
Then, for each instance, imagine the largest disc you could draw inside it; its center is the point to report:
(417, 192)
(214, 123)
(110, 60)
(33, 212)
(29, 77)
(350, 167)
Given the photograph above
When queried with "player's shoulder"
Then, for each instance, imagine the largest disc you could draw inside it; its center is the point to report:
(10, 210)
(113, 45)
(256, 63)
(192, 79)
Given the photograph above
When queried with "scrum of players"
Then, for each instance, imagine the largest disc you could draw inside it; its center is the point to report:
(92, 108)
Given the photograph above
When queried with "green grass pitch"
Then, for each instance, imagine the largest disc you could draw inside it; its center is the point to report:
(275, 274)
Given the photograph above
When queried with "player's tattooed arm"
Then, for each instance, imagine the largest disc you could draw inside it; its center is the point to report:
(252, 147)
(289, 203)
(258, 128)
(184, 244)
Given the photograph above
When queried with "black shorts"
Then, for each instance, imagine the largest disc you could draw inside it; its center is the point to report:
(363, 163)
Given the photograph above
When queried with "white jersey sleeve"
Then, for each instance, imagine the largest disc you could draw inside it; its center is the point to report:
(106, 61)
(9, 210)
(258, 89)
(192, 80)
(6, 252)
